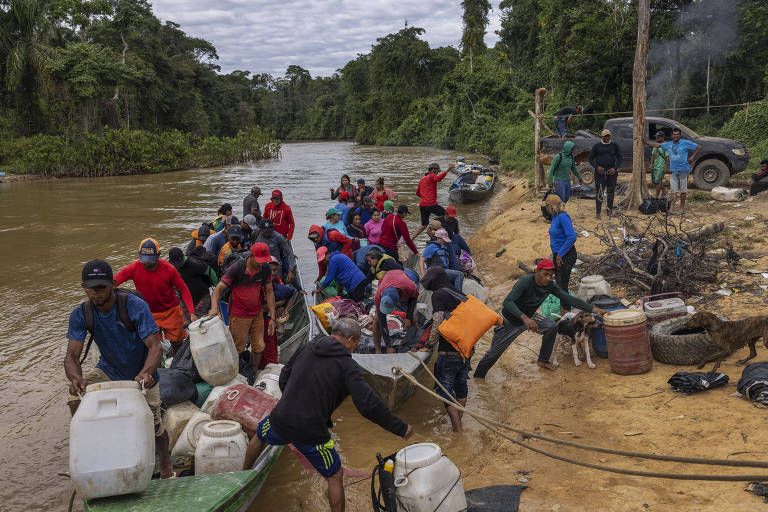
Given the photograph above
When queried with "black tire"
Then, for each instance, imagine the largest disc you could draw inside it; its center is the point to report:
(683, 349)
(711, 173)
(587, 173)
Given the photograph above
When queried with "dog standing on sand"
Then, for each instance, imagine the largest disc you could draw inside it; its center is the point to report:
(575, 329)
(730, 336)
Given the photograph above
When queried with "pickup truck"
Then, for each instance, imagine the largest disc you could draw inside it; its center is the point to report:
(714, 165)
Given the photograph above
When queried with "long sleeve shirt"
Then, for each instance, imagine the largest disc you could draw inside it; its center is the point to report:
(407, 291)
(394, 227)
(282, 217)
(526, 297)
(562, 236)
(607, 156)
(427, 188)
(157, 286)
(344, 271)
(563, 165)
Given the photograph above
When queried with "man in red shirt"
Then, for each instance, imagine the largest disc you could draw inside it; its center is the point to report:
(250, 282)
(427, 191)
(157, 280)
(392, 230)
(393, 288)
(280, 214)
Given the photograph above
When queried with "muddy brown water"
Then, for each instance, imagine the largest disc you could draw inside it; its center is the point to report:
(50, 228)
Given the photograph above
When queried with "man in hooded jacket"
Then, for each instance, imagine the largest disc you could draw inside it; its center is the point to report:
(560, 171)
(314, 382)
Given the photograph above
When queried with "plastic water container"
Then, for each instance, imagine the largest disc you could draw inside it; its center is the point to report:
(112, 441)
(221, 448)
(270, 377)
(426, 480)
(245, 405)
(629, 348)
(213, 350)
(589, 286)
(187, 440)
(176, 418)
(218, 390)
(728, 194)
(472, 287)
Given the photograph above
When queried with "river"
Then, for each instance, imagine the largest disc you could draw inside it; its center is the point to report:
(50, 228)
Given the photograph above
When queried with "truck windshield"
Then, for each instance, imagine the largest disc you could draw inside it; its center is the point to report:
(687, 130)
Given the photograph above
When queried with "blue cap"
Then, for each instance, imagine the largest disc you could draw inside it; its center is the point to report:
(361, 181)
(149, 250)
(389, 298)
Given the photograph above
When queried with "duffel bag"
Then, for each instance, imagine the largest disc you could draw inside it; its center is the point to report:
(467, 323)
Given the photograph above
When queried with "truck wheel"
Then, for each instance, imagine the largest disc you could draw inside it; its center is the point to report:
(710, 174)
(587, 173)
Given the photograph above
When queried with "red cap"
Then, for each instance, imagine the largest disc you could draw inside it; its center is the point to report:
(545, 264)
(321, 252)
(260, 253)
(451, 211)
(277, 193)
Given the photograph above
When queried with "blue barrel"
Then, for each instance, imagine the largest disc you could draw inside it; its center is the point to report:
(599, 342)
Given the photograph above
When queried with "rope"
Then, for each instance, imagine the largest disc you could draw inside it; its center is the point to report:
(487, 422)
(748, 104)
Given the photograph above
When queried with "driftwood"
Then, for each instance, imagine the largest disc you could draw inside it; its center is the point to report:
(721, 254)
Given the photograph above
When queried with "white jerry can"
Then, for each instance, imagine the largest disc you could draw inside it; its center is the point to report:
(426, 480)
(221, 448)
(112, 441)
(213, 350)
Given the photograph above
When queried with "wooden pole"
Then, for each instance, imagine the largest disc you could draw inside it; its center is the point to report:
(540, 178)
(638, 189)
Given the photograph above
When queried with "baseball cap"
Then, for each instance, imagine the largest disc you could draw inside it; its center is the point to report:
(277, 193)
(545, 264)
(233, 220)
(321, 252)
(442, 234)
(389, 206)
(332, 211)
(267, 225)
(660, 133)
(605, 132)
(251, 220)
(149, 250)
(451, 211)
(235, 231)
(361, 181)
(402, 209)
(274, 260)
(388, 301)
(203, 232)
(260, 253)
(435, 224)
(176, 257)
(97, 273)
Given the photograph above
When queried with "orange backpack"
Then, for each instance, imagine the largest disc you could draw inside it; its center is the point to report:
(467, 323)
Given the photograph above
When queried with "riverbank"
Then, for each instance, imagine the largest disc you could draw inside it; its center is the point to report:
(127, 152)
(639, 413)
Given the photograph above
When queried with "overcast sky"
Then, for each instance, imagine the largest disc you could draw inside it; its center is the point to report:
(266, 36)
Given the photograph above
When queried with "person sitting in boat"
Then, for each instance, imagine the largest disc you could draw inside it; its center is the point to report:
(437, 253)
(333, 221)
(355, 229)
(333, 241)
(364, 209)
(250, 234)
(373, 227)
(235, 243)
(343, 206)
(363, 191)
(427, 192)
(314, 382)
(346, 274)
(284, 298)
(394, 287)
(127, 336)
(380, 263)
(222, 216)
(389, 209)
(393, 230)
(346, 186)
(279, 248)
(199, 236)
(280, 214)
(198, 276)
(451, 370)
(381, 193)
(450, 223)
(216, 241)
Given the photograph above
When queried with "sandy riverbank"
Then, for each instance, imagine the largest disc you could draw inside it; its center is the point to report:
(601, 408)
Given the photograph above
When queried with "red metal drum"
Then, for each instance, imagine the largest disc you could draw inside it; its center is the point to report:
(629, 348)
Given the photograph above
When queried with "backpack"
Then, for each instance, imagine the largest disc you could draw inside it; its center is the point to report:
(121, 296)
(650, 206)
(239, 258)
(440, 257)
(467, 323)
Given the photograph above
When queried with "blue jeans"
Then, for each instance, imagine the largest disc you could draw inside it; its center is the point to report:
(458, 244)
(452, 372)
(456, 277)
(563, 190)
(561, 125)
(504, 335)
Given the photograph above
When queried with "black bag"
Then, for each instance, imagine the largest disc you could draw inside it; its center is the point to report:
(246, 368)
(652, 205)
(183, 361)
(176, 386)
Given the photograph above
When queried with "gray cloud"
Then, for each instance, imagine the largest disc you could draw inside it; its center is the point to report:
(266, 36)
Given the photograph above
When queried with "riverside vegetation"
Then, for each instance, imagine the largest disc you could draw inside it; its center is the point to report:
(76, 70)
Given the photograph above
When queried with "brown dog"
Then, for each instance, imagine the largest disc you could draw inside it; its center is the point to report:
(731, 336)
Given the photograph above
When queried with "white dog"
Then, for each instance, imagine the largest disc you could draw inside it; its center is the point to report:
(575, 329)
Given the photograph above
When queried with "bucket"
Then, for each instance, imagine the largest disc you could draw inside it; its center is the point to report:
(112, 441)
(629, 348)
(187, 440)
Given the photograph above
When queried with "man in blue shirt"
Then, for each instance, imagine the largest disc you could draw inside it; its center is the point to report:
(346, 274)
(437, 253)
(679, 166)
(128, 352)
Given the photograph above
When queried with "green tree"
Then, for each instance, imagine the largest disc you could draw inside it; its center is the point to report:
(475, 19)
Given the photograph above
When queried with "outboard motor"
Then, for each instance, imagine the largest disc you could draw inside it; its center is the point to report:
(385, 469)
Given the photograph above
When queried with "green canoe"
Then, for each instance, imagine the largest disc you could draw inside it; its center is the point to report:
(223, 492)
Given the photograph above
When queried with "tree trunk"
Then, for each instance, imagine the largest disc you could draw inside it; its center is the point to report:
(540, 177)
(638, 190)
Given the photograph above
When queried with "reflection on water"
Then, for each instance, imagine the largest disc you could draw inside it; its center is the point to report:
(49, 229)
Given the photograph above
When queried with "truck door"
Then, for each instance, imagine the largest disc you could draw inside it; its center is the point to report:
(622, 135)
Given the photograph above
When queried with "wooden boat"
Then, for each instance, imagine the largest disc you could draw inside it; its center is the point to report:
(461, 192)
(224, 492)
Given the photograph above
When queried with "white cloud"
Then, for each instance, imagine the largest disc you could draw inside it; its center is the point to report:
(266, 36)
